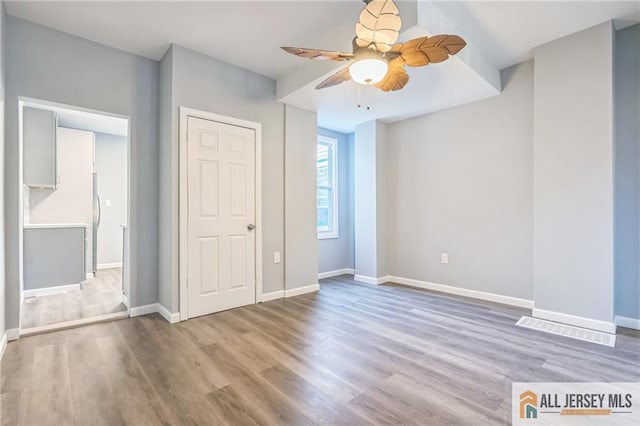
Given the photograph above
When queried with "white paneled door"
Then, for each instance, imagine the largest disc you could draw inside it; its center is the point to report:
(221, 216)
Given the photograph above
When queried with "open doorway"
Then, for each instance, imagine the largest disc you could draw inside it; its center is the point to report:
(75, 210)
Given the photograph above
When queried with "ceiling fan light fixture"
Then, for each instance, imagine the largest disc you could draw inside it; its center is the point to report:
(368, 71)
(377, 59)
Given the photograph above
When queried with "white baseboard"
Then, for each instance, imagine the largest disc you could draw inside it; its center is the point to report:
(89, 276)
(48, 291)
(627, 322)
(604, 326)
(273, 295)
(474, 294)
(371, 280)
(3, 345)
(172, 318)
(13, 334)
(125, 300)
(279, 294)
(139, 311)
(302, 290)
(336, 273)
(109, 265)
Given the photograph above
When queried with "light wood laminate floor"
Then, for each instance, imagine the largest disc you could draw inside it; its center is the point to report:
(98, 296)
(349, 354)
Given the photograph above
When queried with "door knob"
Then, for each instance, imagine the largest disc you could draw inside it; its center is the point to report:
(251, 227)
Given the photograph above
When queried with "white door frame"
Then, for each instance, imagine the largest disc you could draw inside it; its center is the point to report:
(130, 271)
(185, 113)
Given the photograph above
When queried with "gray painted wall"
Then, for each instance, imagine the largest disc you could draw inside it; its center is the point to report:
(573, 174)
(370, 206)
(111, 166)
(50, 65)
(301, 248)
(382, 201)
(460, 182)
(365, 238)
(197, 81)
(167, 250)
(351, 176)
(2, 192)
(337, 253)
(627, 172)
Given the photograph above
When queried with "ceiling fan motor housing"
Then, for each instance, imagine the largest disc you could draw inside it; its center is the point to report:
(368, 53)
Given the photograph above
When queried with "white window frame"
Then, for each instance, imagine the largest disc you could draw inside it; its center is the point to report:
(334, 232)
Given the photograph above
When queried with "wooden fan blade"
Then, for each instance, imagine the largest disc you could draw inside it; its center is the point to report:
(323, 55)
(337, 78)
(379, 24)
(396, 77)
(426, 50)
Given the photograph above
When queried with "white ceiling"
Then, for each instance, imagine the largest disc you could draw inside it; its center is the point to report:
(509, 30)
(81, 119)
(429, 89)
(245, 33)
(249, 33)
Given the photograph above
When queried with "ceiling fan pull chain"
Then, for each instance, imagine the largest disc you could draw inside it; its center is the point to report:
(368, 97)
(359, 104)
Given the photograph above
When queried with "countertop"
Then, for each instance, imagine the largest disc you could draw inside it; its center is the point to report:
(55, 225)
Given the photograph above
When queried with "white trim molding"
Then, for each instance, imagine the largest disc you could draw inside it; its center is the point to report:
(3, 345)
(89, 276)
(172, 318)
(109, 265)
(153, 308)
(458, 291)
(266, 297)
(132, 205)
(334, 231)
(336, 273)
(370, 280)
(48, 291)
(302, 290)
(181, 181)
(279, 294)
(13, 334)
(604, 326)
(627, 322)
(73, 323)
(138, 311)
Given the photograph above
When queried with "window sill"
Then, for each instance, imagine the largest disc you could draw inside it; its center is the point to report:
(328, 236)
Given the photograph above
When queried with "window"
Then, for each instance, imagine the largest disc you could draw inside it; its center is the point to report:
(327, 196)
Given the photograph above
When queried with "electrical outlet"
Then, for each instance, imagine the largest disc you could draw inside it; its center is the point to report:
(107, 203)
(276, 257)
(444, 258)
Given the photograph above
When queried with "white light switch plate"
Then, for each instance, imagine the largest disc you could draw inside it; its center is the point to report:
(276, 257)
(107, 203)
(444, 258)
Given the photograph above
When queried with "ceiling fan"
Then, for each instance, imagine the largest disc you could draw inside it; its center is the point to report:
(376, 58)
